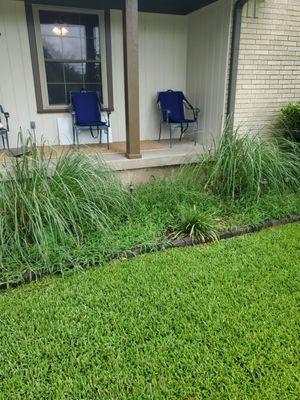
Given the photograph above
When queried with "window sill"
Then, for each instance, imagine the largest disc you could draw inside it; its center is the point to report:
(64, 110)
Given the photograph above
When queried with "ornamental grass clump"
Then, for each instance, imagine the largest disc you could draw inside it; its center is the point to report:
(246, 166)
(47, 202)
(194, 224)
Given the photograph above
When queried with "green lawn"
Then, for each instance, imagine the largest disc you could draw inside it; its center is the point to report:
(211, 322)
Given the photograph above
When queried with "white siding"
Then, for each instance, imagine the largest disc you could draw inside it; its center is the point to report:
(118, 116)
(162, 65)
(162, 58)
(208, 44)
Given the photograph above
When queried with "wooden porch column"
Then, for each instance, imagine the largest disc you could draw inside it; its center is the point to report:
(131, 64)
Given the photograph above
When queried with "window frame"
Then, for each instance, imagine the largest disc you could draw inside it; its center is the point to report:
(38, 60)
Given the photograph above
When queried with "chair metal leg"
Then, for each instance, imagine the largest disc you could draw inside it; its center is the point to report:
(101, 136)
(7, 142)
(160, 128)
(195, 133)
(171, 134)
(77, 138)
(3, 141)
(74, 137)
(107, 140)
(182, 132)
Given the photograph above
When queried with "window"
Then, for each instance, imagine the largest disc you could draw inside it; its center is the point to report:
(71, 49)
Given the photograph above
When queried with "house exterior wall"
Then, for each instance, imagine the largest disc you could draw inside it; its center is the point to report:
(269, 62)
(207, 64)
(163, 64)
(163, 46)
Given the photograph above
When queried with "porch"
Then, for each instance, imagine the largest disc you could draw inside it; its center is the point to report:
(150, 46)
(154, 154)
(157, 160)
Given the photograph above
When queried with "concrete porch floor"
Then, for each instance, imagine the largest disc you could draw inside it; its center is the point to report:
(156, 155)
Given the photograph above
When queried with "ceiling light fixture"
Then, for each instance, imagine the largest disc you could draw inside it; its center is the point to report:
(60, 28)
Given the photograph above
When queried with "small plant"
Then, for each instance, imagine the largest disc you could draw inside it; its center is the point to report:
(287, 125)
(245, 166)
(190, 222)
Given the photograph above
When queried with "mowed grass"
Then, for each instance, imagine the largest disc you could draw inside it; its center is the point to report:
(210, 322)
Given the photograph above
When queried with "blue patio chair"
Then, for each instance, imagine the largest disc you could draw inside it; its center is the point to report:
(86, 114)
(172, 105)
(4, 128)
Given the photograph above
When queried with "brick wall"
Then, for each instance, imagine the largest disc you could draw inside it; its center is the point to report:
(269, 62)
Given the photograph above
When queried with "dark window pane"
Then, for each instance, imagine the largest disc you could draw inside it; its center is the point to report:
(73, 72)
(68, 38)
(54, 72)
(88, 23)
(56, 94)
(60, 23)
(71, 48)
(92, 72)
(90, 49)
(47, 20)
(73, 88)
(52, 47)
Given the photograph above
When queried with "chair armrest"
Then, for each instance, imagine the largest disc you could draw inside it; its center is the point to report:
(108, 113)
(190, 107)
(73, 115)
(71, 109)
(197, 110)
(6, 116)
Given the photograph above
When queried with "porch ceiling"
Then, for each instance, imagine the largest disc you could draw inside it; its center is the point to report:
(172, 6)
(180, 7)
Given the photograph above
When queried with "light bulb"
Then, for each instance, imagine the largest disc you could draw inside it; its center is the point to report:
(64, 31)
(56, 30)
(60, 30)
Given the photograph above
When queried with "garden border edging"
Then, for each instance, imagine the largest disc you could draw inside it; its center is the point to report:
(222, 235)
(29, 276)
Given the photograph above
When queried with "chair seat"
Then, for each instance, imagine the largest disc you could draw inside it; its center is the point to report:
(92, 124)
(183, 121)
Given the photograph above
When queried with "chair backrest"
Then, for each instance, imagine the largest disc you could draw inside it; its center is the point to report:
(86, 107)
(172, 101)
(6, 116)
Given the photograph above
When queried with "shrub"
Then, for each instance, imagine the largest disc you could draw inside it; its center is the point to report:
(247, 166)
(46, 202)
(288, 124)
(190, 222)
(158, 201)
